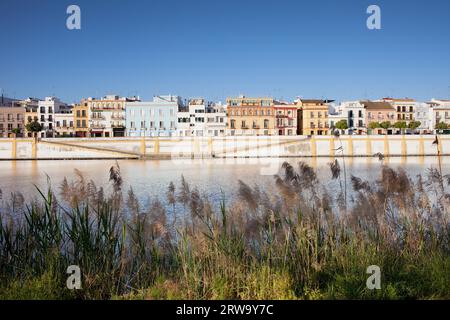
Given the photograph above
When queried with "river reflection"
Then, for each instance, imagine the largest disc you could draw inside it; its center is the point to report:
(150, 178)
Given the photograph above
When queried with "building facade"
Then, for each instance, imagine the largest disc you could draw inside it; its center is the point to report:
(216, 120)
(313, 117)
(354, 113)
(64, 124)
(191, 119)
(46, 115)
(379, 112)
(404, 109)
(423, 114)
(81, 120)
(157, 118)
(11, 121)
(440, 112)
(251, 116)
(286, 118)
(107, 115)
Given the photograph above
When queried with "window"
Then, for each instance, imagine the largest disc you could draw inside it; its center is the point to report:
(83, 123)
(266, 124)
(42, 109)
(83, 113)
(78, 123)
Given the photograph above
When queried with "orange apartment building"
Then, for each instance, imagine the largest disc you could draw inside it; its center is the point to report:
(251, 116)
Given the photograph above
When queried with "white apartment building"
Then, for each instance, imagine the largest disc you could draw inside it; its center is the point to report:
(216, 120)
(201, 119)
(191, 120)
(423, 113)
(107, 115)
(64, 124)
(440, 112)
(351, 111)
(46, 115)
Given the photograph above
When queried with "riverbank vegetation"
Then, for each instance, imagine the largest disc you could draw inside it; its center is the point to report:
(301, 242)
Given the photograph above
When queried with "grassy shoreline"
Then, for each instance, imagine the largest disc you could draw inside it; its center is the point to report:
(301, 242)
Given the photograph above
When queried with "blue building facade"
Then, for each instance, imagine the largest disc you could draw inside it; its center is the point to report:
(157, 118)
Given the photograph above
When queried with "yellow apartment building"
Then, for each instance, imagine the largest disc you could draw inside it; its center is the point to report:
(251, 116)
(81, 120)
(313, 117)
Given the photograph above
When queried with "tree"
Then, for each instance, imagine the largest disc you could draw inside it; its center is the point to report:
(374, 125)
(385, 125)
(441, 126)
(400, 125)
(414, 124)
(16, 131)
(341, 125)
(33, 126)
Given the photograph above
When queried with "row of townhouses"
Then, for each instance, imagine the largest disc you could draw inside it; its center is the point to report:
(115, 116)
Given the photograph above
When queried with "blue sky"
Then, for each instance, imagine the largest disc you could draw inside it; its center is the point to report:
(215, 49)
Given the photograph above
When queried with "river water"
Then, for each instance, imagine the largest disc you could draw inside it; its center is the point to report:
(150, 178)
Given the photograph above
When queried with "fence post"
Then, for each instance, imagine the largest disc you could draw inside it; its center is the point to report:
(14, 146)
(386, 146)
(143, 147)
(369, 147)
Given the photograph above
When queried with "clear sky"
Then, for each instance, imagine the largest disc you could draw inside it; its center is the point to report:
(215, 49)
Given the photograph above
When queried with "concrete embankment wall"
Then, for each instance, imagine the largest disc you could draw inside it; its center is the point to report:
(198, 147)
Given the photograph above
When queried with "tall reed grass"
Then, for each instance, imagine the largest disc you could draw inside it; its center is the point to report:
(300, 242)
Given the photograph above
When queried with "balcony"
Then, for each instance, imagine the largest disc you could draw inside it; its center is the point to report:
(98, 117)
(255, 126)
(118, 117)
(97, 126)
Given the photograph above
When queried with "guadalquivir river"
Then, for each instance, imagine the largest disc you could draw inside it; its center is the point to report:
(150, 178)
